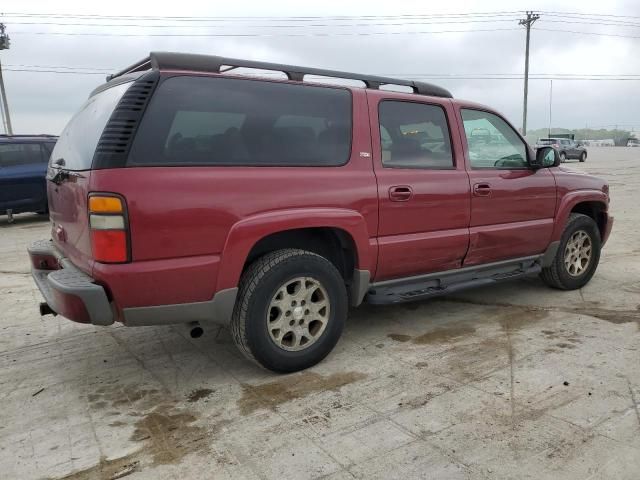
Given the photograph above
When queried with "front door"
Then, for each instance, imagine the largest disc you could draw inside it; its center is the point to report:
(423, 188)
(512, 205)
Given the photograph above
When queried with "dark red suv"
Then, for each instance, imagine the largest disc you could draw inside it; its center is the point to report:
(185, 192)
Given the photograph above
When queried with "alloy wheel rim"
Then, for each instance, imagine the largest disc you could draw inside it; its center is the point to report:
(578, 253)
(298, 313)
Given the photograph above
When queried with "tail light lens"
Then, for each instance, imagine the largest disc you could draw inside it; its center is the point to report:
(109, 228)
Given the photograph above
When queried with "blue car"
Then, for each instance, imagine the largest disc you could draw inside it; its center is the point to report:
(23, 170)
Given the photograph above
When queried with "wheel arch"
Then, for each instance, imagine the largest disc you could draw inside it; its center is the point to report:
(340, 235)
(593, 204)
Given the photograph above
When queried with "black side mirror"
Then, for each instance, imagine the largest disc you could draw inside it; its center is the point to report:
(545, 157)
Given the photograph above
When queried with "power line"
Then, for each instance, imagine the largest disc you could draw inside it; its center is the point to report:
(582, 14)
(586, 33)
(266, 18)
(308, 34)
(482, 74)
(109, 69)
(311, 34)
(54, 71)
(315, 25)
(623, 77)
(628, 25)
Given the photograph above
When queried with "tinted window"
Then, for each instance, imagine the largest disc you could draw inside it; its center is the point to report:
(79, 138)
(12, 154)
(224, 121)
(492, 142)
(414, 135)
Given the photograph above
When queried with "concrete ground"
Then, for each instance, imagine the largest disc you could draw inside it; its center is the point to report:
(510, 381)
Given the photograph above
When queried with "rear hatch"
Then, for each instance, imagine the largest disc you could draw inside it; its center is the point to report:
(69, 175)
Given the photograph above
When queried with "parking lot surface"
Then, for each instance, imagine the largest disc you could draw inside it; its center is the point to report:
(510, 381)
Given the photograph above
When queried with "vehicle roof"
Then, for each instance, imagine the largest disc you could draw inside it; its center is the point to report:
(39, 137)
(189, 62)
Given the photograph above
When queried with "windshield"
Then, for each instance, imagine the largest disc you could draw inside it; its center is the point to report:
(79, 139)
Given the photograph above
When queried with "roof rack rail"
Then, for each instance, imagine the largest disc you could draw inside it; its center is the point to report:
(214, 64)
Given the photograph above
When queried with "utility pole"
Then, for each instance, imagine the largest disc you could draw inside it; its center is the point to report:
(527, 22)
(550, 101)
(5, 42)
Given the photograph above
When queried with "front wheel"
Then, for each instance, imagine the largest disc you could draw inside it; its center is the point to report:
(583, 157)
(577, 257)
(291, 310)
(563, 157)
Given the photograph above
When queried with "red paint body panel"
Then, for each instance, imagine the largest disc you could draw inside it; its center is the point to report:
(191, 228)
(245, 234)
(574, 188)
(159, 282)
(183, 219)
(429, 231)
(516, 219)
(70, 219)
(514, 216)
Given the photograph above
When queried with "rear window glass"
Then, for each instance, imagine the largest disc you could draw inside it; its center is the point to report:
(223, 121)
(14, 154)
(546, 141)
(78, 140)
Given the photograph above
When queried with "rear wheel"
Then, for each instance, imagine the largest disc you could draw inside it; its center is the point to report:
(291, 310)
(563, 157)
(583, 156)
(577, 257)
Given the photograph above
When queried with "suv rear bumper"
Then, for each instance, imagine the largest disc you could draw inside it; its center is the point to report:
(75, 295)
(67, 290)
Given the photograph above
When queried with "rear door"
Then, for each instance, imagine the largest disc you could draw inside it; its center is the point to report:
(70, 171)
(512, 205)
(423, 188)
(22, 176)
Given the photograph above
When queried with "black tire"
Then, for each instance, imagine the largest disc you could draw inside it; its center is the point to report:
(583, 157)
(258, 285)
(563, 157)
(557, 275)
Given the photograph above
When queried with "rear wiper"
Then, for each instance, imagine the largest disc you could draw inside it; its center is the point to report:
(59, 177)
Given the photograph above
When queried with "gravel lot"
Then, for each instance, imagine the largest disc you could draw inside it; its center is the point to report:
(511, 381)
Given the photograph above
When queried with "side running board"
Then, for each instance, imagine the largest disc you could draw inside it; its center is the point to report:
(442, 283)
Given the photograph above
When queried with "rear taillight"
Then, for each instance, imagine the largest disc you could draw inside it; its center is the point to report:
(109, 228)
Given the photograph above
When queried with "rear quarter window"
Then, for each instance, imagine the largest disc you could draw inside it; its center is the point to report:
(224, 121)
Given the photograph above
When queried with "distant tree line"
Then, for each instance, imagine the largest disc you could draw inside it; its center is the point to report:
(620, 137)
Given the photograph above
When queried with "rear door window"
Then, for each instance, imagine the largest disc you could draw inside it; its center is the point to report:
(414, 135)
(14, 154)
(224, 121)
(78, 140)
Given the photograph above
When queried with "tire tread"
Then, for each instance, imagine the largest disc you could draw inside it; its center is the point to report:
(551, 274)
(249, 284)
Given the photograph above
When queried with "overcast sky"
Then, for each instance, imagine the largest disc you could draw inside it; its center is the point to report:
(43, 102)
